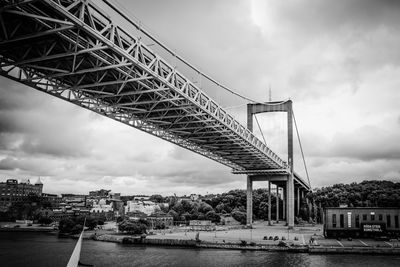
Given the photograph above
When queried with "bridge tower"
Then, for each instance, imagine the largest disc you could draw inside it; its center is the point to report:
(287, 180)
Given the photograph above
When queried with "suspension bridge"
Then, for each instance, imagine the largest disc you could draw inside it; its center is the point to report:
(74, 50)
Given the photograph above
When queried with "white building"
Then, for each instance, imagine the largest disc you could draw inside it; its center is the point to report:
(101, 206)
(146, 206)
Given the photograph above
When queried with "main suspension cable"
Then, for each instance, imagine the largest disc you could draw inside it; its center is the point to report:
(301, 149)
(265, 142)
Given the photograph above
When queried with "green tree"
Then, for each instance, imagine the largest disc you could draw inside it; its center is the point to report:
(66, 225)
(45, 220)
(239, 216)
(204, 208)
(156, 198)
(213, 217)
(132, 228)
(174, 215)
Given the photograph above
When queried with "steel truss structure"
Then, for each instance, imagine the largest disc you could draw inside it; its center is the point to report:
(73, 50)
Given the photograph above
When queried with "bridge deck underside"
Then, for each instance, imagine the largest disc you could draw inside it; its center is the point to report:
(73, 51)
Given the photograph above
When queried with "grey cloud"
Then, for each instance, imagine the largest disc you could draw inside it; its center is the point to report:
(387, 149)
(203, 178)
(179, 153)
(8, 164)
(303, 77)
(321, 17)
(32, 120)
(368, 143)
(30, 166)
(352, 67)
(13, 96)
(7, 123)
(56, 147)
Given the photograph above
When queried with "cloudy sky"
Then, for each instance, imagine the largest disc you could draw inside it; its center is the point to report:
(339, 61)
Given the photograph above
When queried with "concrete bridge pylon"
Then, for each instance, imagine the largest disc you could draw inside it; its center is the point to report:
(282, 178)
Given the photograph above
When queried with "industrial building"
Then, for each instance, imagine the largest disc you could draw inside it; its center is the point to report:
(361, 222)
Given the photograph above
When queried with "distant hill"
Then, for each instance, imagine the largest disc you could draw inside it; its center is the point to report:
(373, 193)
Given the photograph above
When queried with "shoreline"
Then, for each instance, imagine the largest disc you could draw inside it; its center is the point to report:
(190, 243)
(31, 229)
(132, 240)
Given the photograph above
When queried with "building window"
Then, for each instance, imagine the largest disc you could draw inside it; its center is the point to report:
(372, 217)
(364, 217)
(388, 222)
(380, 217)
(334, 220)
(396, 221)
(341, 220)
(357, 220)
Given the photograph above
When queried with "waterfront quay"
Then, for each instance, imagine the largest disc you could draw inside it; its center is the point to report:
(306, 239)
(258, 234)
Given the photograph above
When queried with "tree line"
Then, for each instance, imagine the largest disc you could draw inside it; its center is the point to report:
(371, 193)
(210, 208)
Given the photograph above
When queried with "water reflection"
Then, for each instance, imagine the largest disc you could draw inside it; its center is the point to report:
(35, 249)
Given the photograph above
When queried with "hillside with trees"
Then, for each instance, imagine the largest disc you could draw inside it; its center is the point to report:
(210, 208)
(365, 194)
(373, 193)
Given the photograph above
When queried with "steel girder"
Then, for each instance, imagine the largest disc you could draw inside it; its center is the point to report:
(72, 50)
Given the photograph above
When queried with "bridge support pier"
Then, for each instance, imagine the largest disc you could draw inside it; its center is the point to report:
(298, 201)
(289, 206)
(309, 209)
(277, 204)
(290, 201)
(283, 204)
(269, 203)
(249, 206)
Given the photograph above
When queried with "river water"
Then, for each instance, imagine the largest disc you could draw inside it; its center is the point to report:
(42, 249)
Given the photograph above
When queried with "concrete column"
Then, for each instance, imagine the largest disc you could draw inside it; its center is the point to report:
(298, 201)
(277, 203)
(295, 202)
(249, 208)
(249, 203)
(309, 207)
(289, 183)
(283, 204)
(290, 201)
(250, 117)
(269, 203)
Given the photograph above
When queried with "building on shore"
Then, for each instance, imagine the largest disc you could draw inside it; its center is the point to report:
(361, 222)
(102, 193)
(160, 220)
(58, 215)
(53, 199)
(12, 188)
(201, 225)
(12, 192)
(145, 206)
(101, 206)
(136, 215)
